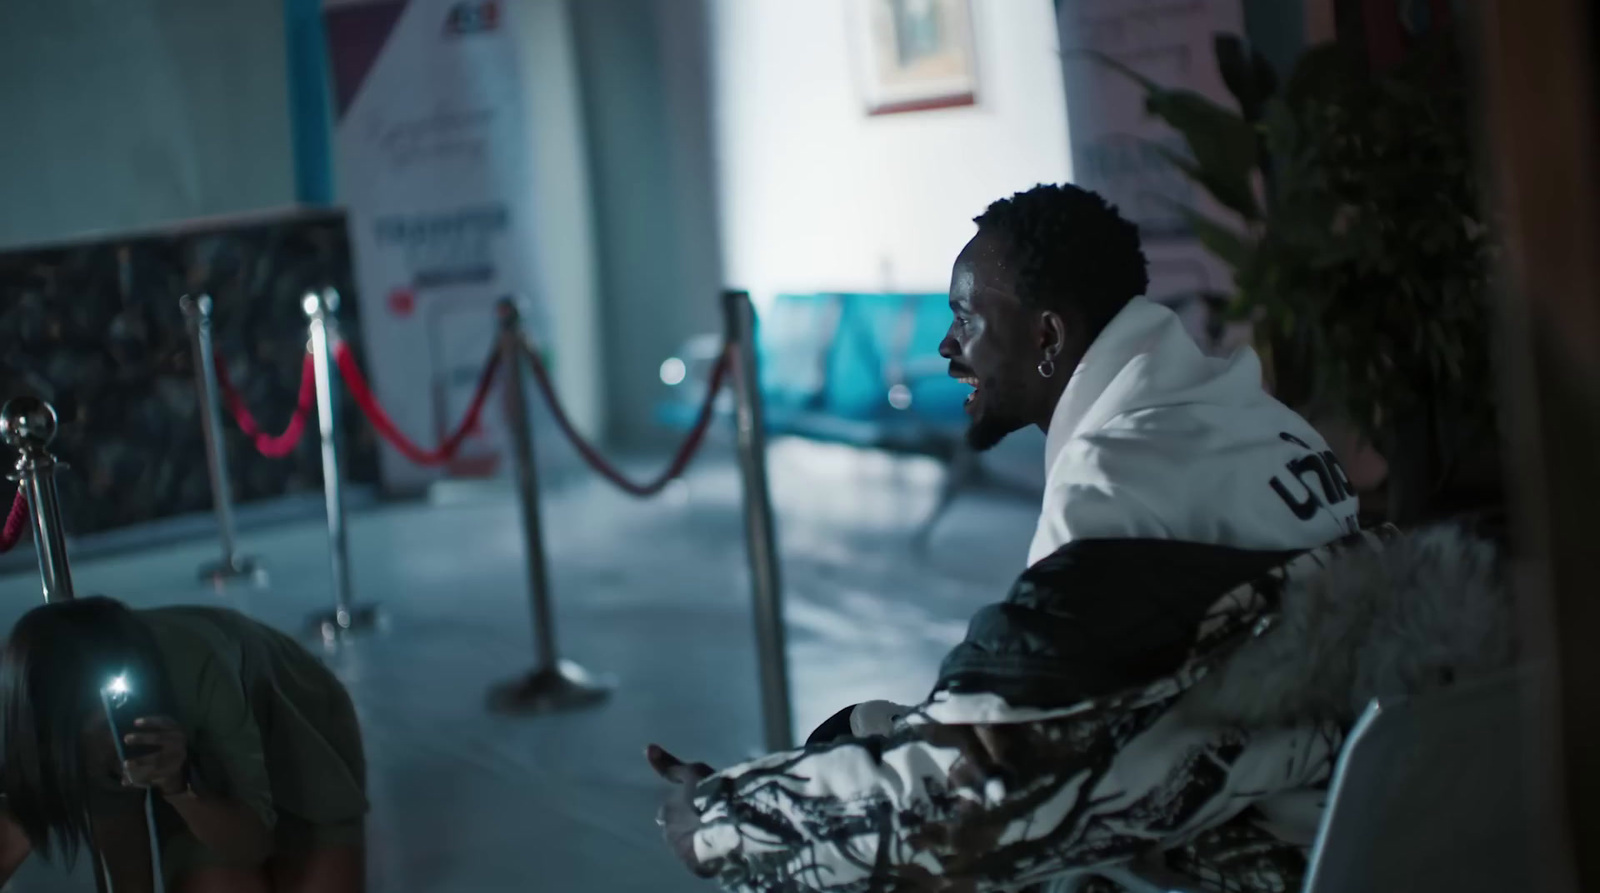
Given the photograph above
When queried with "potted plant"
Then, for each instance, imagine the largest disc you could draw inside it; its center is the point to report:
(1360, 252)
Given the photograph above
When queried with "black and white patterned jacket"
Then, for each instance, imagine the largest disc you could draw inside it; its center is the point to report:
(1129, 700)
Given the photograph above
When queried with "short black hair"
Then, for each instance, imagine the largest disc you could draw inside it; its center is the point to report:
(1073, 252)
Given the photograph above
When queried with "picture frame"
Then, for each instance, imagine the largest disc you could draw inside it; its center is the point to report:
(914, 55)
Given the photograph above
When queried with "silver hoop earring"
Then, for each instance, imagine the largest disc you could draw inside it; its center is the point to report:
(1047, 368)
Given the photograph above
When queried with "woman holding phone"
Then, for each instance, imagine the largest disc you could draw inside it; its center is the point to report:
(246, 744)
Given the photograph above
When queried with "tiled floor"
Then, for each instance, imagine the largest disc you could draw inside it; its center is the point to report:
(653, 593)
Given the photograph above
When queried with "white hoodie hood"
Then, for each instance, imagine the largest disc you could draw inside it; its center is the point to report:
(1154, 439)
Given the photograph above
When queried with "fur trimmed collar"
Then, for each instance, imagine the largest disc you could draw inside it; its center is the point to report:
(1428, 609)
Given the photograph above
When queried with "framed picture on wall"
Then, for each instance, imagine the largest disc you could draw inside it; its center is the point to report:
(914, 55)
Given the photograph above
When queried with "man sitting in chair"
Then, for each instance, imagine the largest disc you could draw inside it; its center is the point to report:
(1171, 679)
(1146, 437)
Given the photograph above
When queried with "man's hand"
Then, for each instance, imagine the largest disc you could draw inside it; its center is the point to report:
(162, 770)
(677, 817)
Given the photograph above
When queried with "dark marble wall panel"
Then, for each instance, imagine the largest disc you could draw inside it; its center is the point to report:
(94, 327)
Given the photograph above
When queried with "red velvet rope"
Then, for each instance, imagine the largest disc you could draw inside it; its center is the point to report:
(16, 521)
(680, 461)
(386, 426)
(273, 446)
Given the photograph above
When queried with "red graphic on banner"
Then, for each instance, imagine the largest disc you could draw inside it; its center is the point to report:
(359, 35)
(402, 302)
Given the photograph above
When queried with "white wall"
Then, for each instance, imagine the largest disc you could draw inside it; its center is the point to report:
(564, 224)
(816, 195)
(117, 114)
(647, 110)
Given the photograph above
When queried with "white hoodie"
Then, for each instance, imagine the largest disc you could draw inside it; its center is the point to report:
(1154, 439)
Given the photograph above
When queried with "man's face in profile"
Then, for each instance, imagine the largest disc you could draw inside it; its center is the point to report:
(989, 343)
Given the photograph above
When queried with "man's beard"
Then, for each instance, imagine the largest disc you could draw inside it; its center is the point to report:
(987, 430)
(999, 408)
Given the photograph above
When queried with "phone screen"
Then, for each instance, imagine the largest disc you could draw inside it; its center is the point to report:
(123, 705)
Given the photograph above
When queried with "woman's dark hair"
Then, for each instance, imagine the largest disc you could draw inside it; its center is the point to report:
(53, 667)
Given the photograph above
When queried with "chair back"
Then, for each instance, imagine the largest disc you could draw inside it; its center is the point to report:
(1431, 794)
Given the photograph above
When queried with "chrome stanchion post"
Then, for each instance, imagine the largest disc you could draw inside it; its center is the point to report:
(345, 618)
(771, 650)
(28, 425)
(554, 684)
(231, 566)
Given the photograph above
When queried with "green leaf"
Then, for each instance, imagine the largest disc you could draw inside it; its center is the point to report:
(1233, 63)
(1281, 131)
(1240, 309)
(1230, 247)
(1221, 141)
(1266, 75)
(1113, 64)
(1245, 205)
(1223, 145)
(1323, 71)
(1247, 74)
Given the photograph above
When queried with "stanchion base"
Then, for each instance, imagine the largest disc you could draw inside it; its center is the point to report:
(222, 572)
(565, 686)
(332, 627)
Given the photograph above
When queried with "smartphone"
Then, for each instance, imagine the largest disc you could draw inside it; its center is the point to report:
(120, 698)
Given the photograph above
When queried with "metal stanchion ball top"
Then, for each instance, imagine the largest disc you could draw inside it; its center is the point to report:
(28, 424)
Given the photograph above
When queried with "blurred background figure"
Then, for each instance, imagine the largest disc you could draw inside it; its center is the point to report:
(243, 745)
